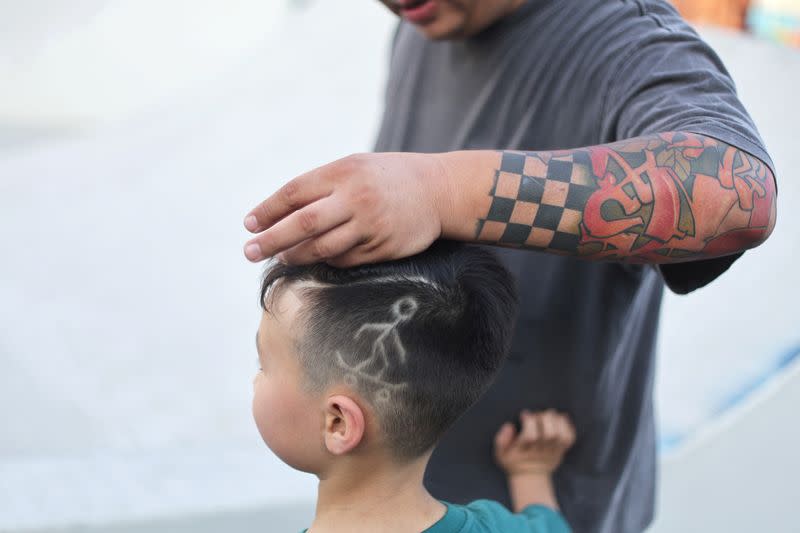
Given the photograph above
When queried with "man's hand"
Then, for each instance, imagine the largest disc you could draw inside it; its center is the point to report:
(539, 446)
(361, 209)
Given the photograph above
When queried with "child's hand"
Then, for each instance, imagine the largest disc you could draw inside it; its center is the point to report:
(538, 447)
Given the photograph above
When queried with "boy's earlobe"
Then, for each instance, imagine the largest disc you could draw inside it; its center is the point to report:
(344, 424)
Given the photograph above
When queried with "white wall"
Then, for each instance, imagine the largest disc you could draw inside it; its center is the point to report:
(127, 307)
(93, 60)
(738, 473)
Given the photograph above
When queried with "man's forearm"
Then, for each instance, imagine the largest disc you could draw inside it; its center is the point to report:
(662, 198)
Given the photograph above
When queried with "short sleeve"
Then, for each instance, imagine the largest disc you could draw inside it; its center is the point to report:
(545, 519)
(671, 80)
(492, 516)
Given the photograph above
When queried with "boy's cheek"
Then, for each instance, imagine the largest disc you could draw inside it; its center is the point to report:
(260, 402)
(260, 410)
(270, 423)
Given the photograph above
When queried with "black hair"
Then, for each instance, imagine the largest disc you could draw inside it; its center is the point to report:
(419, 338)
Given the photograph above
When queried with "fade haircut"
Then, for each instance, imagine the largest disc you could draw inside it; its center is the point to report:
(420, 338)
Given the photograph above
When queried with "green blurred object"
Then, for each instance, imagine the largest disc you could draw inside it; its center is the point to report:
(775, 24)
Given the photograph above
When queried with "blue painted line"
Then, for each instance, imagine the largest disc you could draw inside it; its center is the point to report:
(673, 439)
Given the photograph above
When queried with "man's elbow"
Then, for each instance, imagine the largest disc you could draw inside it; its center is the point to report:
(751, 219)
(764, 211)
(757, 237)
(771, 194)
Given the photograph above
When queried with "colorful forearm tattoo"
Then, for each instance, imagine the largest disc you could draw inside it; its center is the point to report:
(662, 198)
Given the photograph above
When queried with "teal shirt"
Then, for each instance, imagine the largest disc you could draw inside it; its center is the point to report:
(485, 516)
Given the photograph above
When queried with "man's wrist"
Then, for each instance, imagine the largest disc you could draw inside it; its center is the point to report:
(440, 190)
(462, 181)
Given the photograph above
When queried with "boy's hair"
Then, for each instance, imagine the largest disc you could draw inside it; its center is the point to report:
(419, 338)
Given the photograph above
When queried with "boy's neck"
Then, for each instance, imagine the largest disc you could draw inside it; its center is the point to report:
(375, 495)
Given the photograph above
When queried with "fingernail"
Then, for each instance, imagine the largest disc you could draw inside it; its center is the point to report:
(251, 223)
(253, 251)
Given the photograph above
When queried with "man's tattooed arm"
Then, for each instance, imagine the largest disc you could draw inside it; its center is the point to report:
(663, 198)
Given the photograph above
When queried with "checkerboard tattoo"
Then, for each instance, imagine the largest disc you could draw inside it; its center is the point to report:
(667, 197)
(537, 201)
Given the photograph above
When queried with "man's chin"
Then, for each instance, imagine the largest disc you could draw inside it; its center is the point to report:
(391, 6)
(439, 32)
(439, 29)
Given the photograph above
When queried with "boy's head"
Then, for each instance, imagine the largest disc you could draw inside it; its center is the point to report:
(385, 355)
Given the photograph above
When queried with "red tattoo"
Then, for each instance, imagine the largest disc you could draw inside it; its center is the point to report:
(663, 198)
(721, 213)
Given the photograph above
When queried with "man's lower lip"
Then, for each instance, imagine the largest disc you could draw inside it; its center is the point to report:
(421, 14)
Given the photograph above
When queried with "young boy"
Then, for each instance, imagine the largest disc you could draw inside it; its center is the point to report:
(363, 370)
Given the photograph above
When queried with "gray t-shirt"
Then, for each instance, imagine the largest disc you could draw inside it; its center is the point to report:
(564, 74)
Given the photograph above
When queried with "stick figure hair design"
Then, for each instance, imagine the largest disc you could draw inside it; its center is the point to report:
(419, 338)
(387, 341)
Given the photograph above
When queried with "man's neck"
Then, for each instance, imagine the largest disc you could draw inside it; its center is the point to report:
(375, 497)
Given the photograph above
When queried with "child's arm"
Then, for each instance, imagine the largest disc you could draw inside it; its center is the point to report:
(530, 457)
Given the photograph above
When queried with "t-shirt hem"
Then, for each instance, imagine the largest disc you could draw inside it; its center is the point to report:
(553, 515)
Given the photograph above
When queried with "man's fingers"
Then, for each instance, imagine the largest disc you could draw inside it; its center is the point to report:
(354, 257)
(363, 252)
(310, 221)
(292, 196)
(332, 244)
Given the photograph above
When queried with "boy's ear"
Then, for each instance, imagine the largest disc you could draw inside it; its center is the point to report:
(344, 424)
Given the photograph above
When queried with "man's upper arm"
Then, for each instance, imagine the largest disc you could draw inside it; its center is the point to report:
(671, 80)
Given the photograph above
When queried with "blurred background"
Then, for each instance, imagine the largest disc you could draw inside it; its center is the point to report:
(773, 19)
(134, 136)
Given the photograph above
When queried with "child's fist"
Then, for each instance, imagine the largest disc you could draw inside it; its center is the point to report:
(538, 447)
